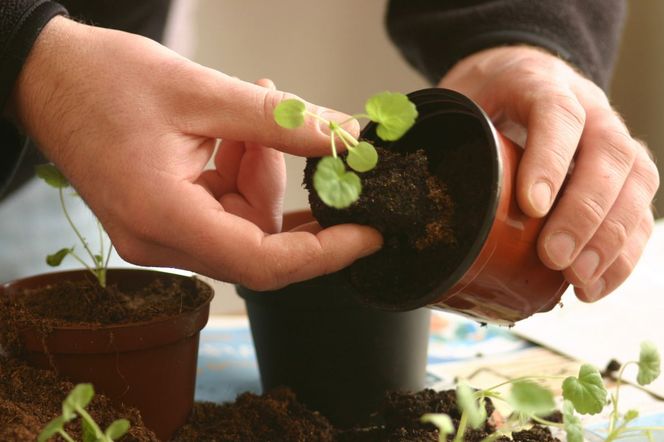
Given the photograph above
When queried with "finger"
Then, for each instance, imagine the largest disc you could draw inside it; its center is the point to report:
(220, 106)
(261, 184)
(234, 249)
(624, 217)
(622, 267)
(554, 118)
(604, 161)
(311, 227)
(223, 178)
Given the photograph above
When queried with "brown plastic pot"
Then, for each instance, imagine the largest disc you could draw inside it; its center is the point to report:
(499, 277)
(149, 365)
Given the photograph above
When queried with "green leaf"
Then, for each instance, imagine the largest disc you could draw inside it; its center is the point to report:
(468, 404)
(290, 113)
(51, 429)
(442, 421)
(587, 392)
(362, 157)
(117, 429)
(531, 398)
(337, 187)
(51, 175)
(80, 396)
(649, 363)
(572, 423)
(631, 415)
(393, 112)
(56, 258)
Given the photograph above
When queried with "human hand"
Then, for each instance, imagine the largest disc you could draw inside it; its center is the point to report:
(132, 125)
(599, 226)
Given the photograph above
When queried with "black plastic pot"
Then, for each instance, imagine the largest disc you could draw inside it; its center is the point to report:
(340, 357)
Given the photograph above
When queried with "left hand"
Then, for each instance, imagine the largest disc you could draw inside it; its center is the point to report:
(602, 219)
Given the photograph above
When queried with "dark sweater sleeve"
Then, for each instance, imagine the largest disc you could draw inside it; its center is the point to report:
(434, 35)
(21, 21)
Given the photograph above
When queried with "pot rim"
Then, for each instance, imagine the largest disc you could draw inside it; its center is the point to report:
(456, 103)
(111, 327)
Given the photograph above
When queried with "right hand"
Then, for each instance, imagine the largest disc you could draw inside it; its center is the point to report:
(132, 125)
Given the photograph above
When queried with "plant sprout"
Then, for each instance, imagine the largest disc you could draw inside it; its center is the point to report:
(336, 186)
(74, 406)
(531, 401)
(54, 178)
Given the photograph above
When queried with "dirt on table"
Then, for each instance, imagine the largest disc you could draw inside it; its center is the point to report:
(275, 416)
(278, 417)
(30, 398)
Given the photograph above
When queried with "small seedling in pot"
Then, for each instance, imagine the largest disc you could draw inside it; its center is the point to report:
(74, 406)
(336, 186)
(530, 401)
(54, 178)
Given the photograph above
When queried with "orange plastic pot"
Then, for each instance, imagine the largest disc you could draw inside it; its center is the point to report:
(149, 365)
(499, 277)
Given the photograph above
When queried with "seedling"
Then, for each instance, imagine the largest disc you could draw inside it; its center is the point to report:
(54, 178)
(337, 186)
(530, 401)
(74, 406)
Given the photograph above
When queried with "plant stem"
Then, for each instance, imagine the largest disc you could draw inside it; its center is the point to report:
(65, 436)
(522, 378)
(84, 415)
(548, 423)
(614, 415)
(463, 423)
(71, 223)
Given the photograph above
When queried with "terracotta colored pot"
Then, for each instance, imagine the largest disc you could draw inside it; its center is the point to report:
(499, 277)
(150, 365)
(338, 355)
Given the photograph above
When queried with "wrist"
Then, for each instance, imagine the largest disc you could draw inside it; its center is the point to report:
(38, 82)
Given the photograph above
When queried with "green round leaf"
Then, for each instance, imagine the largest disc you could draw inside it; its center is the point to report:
(572, 423)
(531, 398)
(587, 392)
(56, 258)
(117, 429)
(649, 363)
(80, 396)
(51, 429)
(393, 112)
(290, 113)
(442, 421)
(468, 404)
(51, 175)
(337, 187)
(362, 157)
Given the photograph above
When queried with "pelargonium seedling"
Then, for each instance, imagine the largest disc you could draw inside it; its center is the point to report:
(531, 401)
(74, 406)
(337, 186)
(54, 178)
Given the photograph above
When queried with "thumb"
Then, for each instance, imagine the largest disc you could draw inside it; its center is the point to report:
(238, 110)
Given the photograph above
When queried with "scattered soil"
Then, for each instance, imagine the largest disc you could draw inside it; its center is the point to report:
(429, 211)
(275, 416)
(31, 398)
(85, 302)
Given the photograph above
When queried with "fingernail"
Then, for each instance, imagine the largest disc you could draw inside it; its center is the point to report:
(595, 291)
(560, 248)
(540, 196)
(586, 265)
